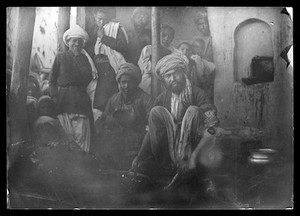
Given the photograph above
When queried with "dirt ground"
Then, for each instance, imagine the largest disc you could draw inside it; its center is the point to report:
(64, 178)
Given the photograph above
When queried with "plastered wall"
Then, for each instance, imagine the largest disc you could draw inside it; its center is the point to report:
(268, 105)
(11, 23)
(44, 44)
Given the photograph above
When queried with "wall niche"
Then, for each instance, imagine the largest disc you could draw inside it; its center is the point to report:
(253, 52)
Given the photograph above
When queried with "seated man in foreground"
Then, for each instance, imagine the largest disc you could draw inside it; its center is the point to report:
(126, 114)
(181, 118)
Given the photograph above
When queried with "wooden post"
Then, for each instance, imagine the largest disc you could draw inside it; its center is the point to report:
(20, 72)
(80, 18)
(62, 25)
(155, 26)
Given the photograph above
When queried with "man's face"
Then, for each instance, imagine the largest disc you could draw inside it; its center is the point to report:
(32, 89)
(166, 37)
(198, 47)
(145, 39)
(175, 80)
(101, 19)
(202, 26)
(127, 85)
(44, 109)
(75, 44)
(185, 49)
(140, 21)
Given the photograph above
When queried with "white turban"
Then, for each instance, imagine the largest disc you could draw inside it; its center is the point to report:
(77, 32)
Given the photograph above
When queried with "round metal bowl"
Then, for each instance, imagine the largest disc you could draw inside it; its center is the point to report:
(262, 156)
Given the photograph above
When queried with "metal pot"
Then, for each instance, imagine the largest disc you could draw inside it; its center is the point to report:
(262, 155)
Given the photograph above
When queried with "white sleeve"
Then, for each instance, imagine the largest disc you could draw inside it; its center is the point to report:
(208, 66)
(144, 60)
(97, 46)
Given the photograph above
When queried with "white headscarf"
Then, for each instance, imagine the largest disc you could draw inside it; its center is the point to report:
(78, 32)
(115, 58)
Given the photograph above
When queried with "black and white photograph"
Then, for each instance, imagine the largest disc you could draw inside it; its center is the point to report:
(192, 109)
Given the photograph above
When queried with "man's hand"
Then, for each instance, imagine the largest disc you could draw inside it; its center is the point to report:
(211, 118)
(147, 128)
(196, 58)
(95, 75)
(199, 64)
(100, 33)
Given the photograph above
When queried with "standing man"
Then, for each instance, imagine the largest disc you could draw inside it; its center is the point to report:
(202, 43)
(167, 34)
(70, 74)
(141, 33)
(202, 49)
(109, 50)
(200, 70)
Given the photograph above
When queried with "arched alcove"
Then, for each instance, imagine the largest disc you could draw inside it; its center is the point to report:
(253, 52)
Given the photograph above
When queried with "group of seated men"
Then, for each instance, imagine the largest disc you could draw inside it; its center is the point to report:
(93, 91)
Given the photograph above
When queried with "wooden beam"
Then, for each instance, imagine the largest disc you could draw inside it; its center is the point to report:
(155, 26)
(20, 72)
(62, 25)
(80, 17)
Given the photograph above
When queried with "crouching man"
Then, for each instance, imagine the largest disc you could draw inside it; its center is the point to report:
(181, 117)
(123, 122)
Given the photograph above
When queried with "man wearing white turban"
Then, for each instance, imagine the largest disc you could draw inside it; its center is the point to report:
(177, 122)
(69, 77)
(76, 32)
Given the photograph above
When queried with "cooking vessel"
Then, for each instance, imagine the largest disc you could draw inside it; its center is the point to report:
(262, 155)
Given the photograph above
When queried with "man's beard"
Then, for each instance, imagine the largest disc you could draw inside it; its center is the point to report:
(176, 88)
